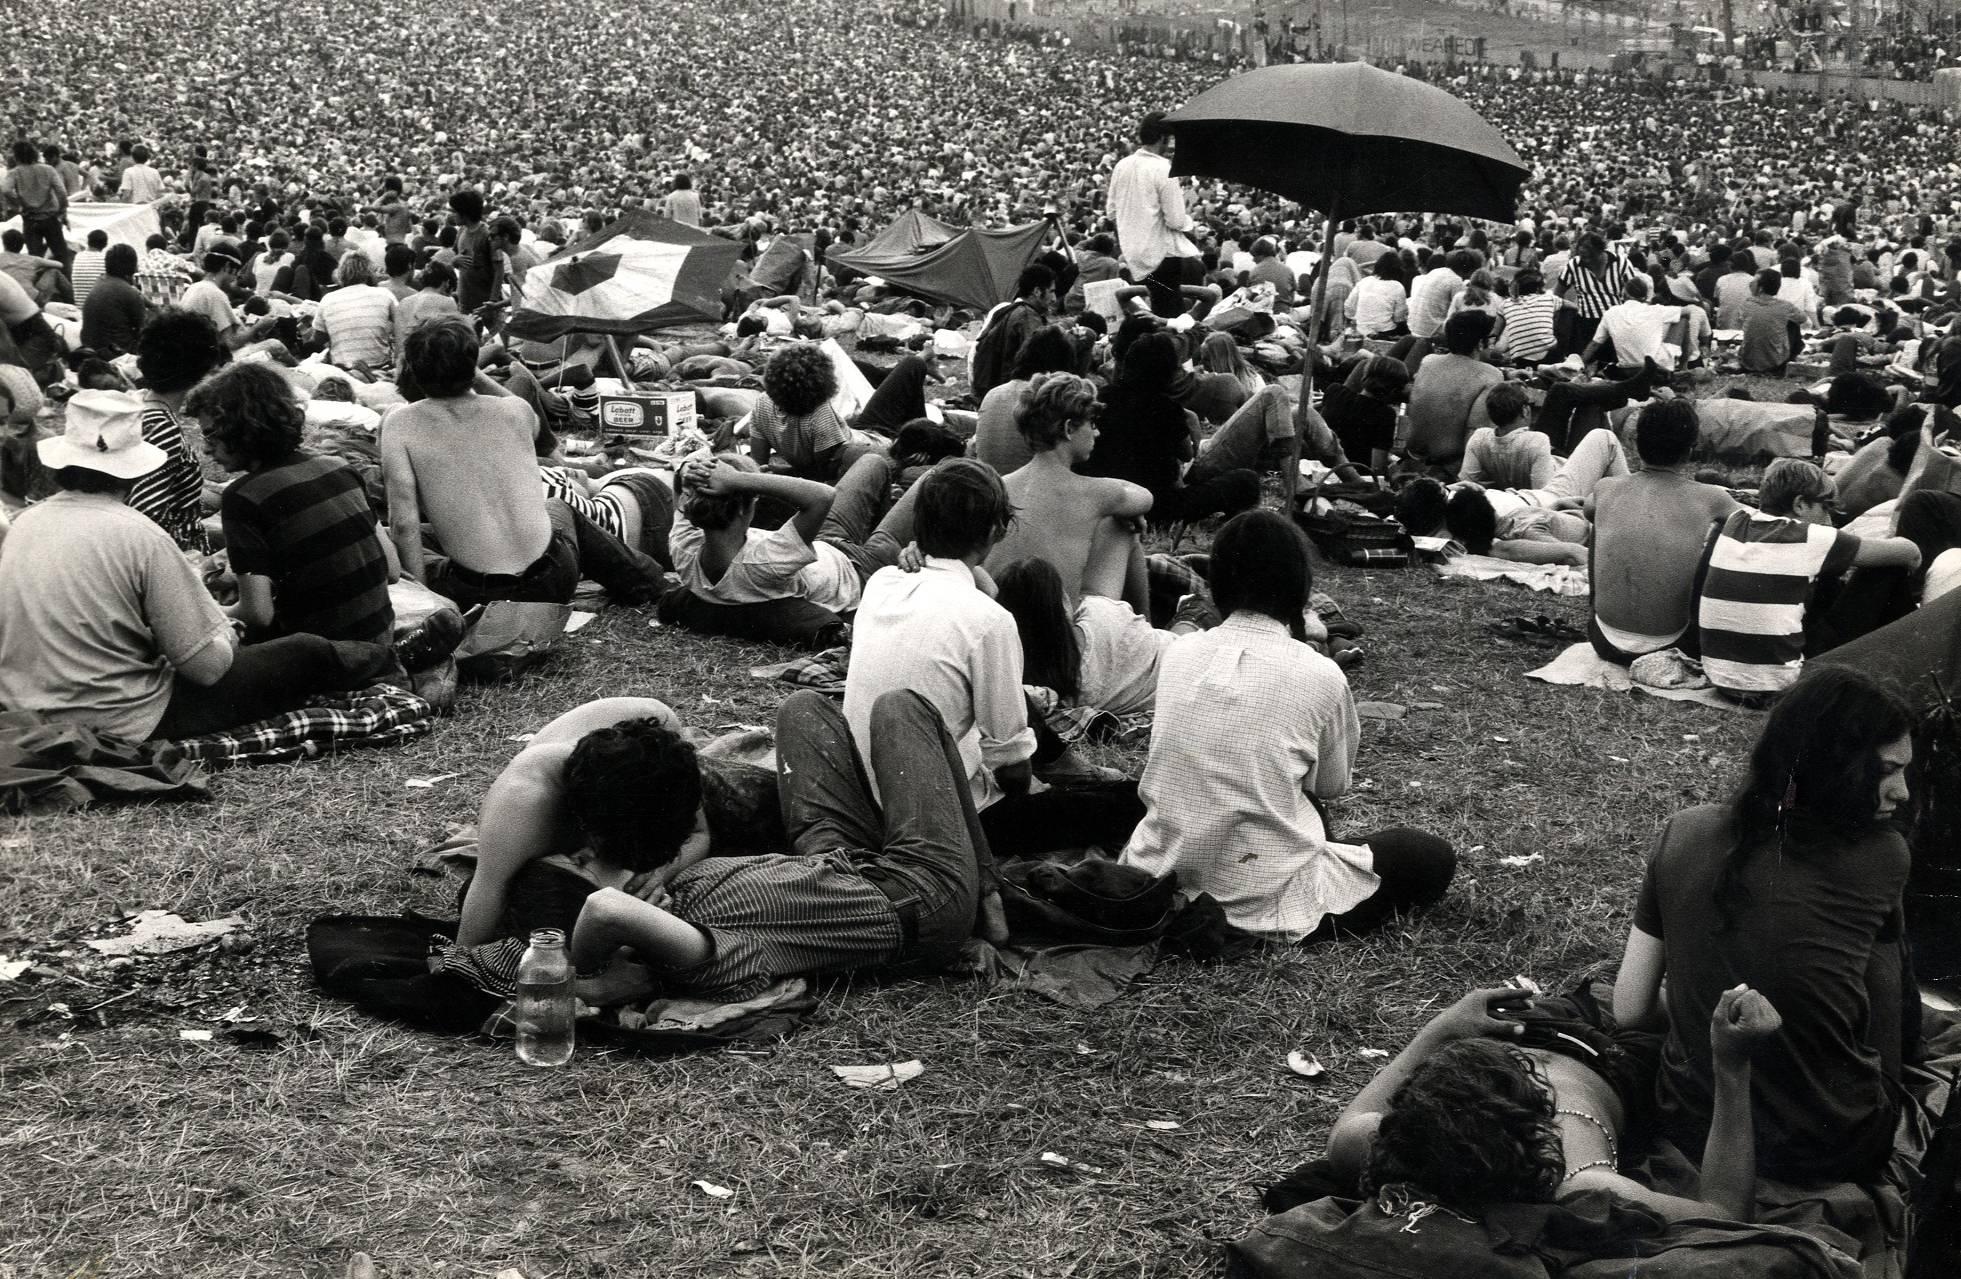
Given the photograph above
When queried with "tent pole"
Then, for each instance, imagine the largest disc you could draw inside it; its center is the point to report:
(619, 361)
(1321, 272)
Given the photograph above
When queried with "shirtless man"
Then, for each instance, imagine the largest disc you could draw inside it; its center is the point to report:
(1080, 524)
(1649, 529)
(463, 461)
(1551, 1122)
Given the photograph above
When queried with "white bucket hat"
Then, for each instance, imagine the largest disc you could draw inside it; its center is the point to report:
(104, 433)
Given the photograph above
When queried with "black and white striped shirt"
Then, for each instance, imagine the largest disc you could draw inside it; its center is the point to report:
(1591, 293)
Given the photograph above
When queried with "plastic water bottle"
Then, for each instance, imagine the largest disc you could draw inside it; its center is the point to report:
(546, 1005)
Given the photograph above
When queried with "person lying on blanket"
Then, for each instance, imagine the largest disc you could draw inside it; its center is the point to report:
(1467, 1115)
(870, 880)
(1530, 525)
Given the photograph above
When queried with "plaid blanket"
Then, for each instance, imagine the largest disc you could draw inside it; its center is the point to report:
(822, 671)
(1074, 723)
(825, 672)
(368, 717)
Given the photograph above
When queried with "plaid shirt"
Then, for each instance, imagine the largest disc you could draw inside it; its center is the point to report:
(370, 717)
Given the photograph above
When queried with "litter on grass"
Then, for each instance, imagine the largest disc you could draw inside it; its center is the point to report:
(577, 622)
(426, 783)
(1373, 1054)
(12, 968)
(1306, 1066)
(1064, 1162)
(1525, 860)
(160, 932)
(1379, 710)
(1163, 1125)
(712, 1190)
(195, 1036)
(884, 1077)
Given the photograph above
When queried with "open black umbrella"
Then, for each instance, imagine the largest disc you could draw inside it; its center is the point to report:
(1348, 139)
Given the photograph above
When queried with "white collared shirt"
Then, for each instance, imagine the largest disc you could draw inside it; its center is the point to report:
(1148, 206)
(1249, 724)
(935, 633)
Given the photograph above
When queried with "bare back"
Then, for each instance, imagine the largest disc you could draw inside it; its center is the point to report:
(1648, 533)
(1058, 517)
(476, 478)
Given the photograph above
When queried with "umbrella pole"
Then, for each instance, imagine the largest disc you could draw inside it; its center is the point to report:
(1321, 273)
(619, 361)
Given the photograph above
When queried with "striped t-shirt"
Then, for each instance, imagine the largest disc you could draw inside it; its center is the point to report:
(85, 271)
(172, 495)
(1528, 337)
(1758, 575)
(306, 524)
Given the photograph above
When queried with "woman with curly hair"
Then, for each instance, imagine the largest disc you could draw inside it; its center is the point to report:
(300, 533)
(1796, 886)
(175, 351)
(1475, 1112)
(793, 429)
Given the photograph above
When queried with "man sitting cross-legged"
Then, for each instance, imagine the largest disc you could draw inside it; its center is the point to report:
(464, 460)
(1649, 529)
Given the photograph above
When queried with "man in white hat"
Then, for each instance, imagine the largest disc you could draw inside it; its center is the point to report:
(104, 621)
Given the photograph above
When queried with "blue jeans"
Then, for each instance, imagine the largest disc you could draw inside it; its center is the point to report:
(923, 848)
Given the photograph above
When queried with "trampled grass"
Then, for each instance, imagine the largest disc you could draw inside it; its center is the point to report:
(125, 1150)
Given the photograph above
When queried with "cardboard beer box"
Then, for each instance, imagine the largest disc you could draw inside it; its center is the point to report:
(646, 413)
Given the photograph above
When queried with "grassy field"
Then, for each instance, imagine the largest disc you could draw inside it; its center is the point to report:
(125, 1150)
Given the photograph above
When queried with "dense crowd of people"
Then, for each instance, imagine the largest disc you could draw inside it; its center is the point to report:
(336, 262)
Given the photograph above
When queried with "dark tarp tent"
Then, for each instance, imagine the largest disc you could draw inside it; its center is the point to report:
(974, 268)
(638, 274)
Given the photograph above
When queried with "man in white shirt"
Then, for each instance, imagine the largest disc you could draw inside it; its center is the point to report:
(1148, 207)
(938, 632)
(208, 298)
(141, 184)
(1431, 294)
(1638, 329)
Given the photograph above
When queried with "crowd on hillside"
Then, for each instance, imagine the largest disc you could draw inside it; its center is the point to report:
(323, 311)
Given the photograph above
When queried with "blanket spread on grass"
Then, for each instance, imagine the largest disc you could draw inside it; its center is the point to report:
(1580, 667)
(375, 716)
(1560, 579)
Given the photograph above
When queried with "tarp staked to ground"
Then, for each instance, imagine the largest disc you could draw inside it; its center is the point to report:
(638, 274)
(130, 224)
(974, 268)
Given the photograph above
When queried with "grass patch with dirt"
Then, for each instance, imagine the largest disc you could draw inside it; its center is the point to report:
(126, 1150)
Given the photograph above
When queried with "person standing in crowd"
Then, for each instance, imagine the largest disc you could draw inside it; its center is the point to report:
(476, 265)
(1153, 228)
(1594, 280)
(682, 204)
(37, 193)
